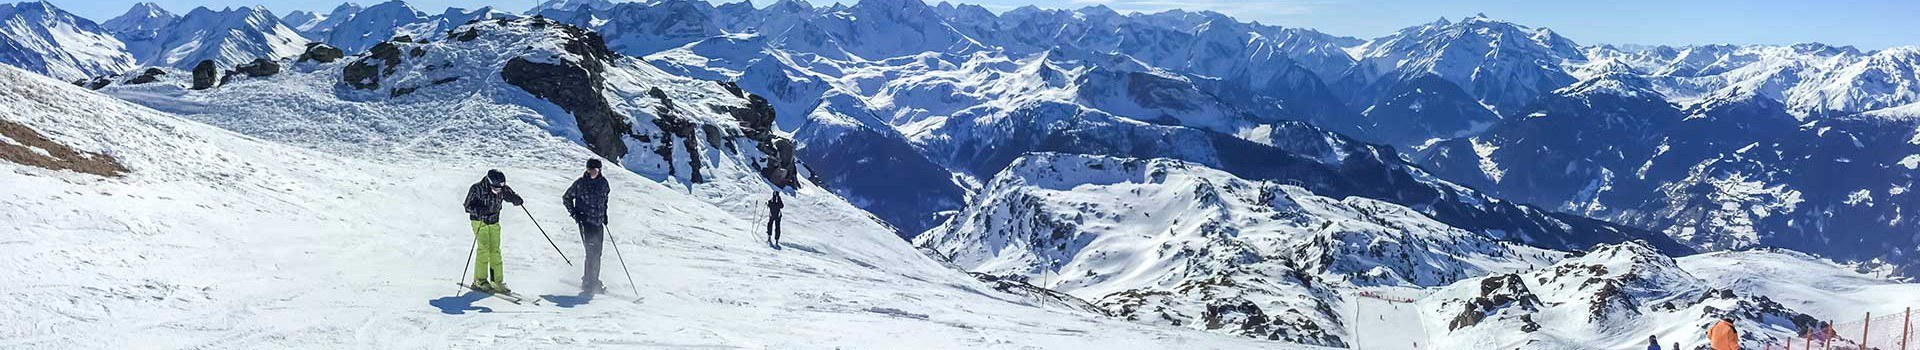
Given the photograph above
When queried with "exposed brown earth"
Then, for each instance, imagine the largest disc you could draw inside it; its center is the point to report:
(57, 156)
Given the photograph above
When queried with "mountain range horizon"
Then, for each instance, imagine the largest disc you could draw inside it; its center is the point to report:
(105, 11)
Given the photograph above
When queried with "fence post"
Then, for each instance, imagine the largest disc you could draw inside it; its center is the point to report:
(1831, 333)
(1906, 328)
(1865, 325)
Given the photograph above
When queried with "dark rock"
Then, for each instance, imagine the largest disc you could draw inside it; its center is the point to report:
(757, 118)
(96, 83)
(417, 51)
(402, 39)
(1496, 293)
(322, 53)
(468, 35)
(205, 75)
(444, 80)
(575, 87)
(1241, 314)
(146, 76)
(397, 92)
(716, 137)
(366, 72)
(1610, 298)
(259, 68)
(669, 123)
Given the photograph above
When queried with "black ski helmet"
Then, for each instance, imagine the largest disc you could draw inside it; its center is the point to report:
(495, 177)
(593, 163)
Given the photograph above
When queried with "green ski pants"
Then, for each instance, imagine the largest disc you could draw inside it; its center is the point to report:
(486, 264)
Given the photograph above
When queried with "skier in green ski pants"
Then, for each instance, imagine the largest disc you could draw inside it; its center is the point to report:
(483, 209)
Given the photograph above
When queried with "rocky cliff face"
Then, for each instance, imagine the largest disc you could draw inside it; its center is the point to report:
(575, 84)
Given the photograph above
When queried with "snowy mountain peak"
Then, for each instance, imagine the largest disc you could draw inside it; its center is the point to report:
(1500, 64)
(570, 5)
(790, 5)
(316, 25)
(377, 23)
(147, 9)
(228, 37)
(1611, 77)
(42, 38)
(142, 22)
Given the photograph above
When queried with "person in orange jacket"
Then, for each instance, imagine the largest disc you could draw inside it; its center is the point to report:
(1722, 335)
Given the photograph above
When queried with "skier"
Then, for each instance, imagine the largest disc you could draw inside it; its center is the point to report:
(1722, 336)
(586, 201)
(483, 209)
(773, 217)
(1653, 342)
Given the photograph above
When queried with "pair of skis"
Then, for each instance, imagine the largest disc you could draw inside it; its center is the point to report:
(509, 297)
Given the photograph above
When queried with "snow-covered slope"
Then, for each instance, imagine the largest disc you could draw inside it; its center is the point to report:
(1173, 242)
(1500, 64)
(42, 38)
(1732, 171)
(361, 29)
(643, 28)
(1819, 287)
(1615, 296)
(228, 37)
(219, 238)
(317, 25)
(373, 25)
(142, 24)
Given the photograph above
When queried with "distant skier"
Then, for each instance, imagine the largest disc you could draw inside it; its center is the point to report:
(773, 217)
(1653, 342)
(483, 209)
(1722, 336)
(586, 201)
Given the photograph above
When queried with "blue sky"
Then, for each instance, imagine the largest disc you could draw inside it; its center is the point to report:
(1868, 24)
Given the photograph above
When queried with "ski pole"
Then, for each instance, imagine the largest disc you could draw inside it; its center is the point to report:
(469, 261)
(543, 233)
(623, 261)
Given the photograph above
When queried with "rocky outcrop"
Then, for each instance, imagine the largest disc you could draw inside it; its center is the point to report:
(205, 75)
(756, 118)
(96, 83)
(260, 67)
(146, 76)
(576, 88)
(668, 119)
(1497, 293)
(322, 53)
(467, 35)
(366, 72)
(575, 85)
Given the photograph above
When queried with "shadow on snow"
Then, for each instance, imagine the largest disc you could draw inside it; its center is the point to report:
(460, 304)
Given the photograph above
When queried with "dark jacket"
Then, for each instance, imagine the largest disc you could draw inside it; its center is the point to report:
(483, 205)
(774, 205)
(586, 200)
